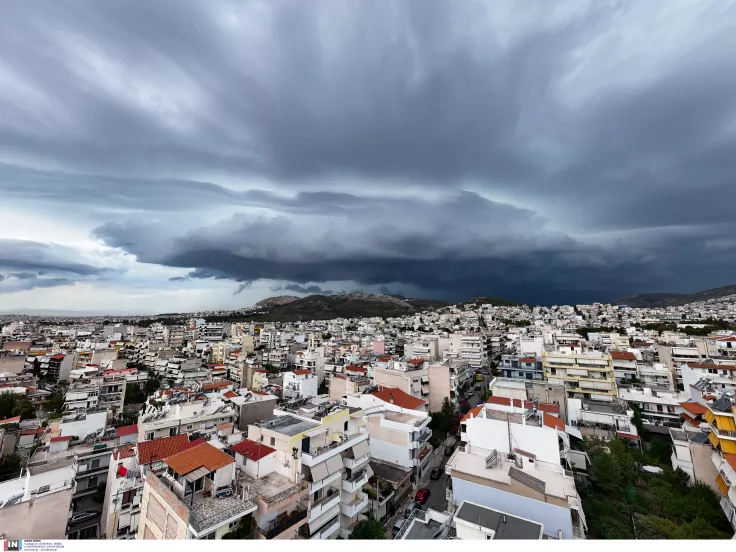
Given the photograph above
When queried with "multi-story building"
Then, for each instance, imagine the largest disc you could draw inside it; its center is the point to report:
(200, 417)
(585, 376)
(299, 384)
(624, 366)
(399, 433)
(658, 408)
(328, 445)
(100, 391)
(723, 376)
(411, 377)
(524, 367)
(470, 348)
(197, 496)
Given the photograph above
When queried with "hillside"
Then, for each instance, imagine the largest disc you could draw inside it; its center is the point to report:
(495, 301)
(653, 300)
(350, 305)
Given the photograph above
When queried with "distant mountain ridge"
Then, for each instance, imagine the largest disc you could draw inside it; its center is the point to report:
(656, 300)
(349, 305)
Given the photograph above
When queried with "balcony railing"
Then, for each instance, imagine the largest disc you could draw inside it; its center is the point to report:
(724, 432)
(424, 436)
(276, 528)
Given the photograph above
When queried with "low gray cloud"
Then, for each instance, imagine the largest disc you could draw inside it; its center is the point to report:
(26, 265)
(305, 290)
(571, 152)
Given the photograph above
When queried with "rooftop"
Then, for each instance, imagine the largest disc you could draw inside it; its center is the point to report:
(208, 512)
(403, 418)
(158, 449)
(289, 425)
(389, 472)
(272, 488)
(202, 455)
(252, 450)
(399, 398)
(424, 531)
(505, 526)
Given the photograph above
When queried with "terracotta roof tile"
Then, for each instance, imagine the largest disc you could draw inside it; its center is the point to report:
(59, 439)
(158, 449)
(217, 385)
(713, 366)
(473, 413)
(230, 395)
(553, 422)
(415, 361)
(547, 407)
(302, 372)
(128, 451)
(396, 396)
(694, 408)
(203, 455)
(14, 420)
(252, 450)
(126, 430)
(36, 431)
(622, 355)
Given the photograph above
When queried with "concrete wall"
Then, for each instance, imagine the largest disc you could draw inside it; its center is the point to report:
(554, 518)
(393, 378)
(251, 413)
(439, 386)
(494, 434)
(163, 515)
(42, 518)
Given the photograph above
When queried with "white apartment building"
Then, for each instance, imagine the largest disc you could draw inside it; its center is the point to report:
(96, 392)
(399, 433)
(527, 481)
(196, 417)
(412, 377)
(588, 375)
(328, 445)
(719, 374)
(299, 384)
(625, 366)
(658, 408)
(470, 348)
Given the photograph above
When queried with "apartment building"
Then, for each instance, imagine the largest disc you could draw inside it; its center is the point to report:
(625, 366)
(279, 492)
(399, 433)
(674, 356)
(531, 391)
(602, 419)
(473, 521)
(328, 445)
(585, 376)
(299, 384)
(96, 391)
(656, 376)
(657, 407)
(521, 367)
(470, 348)
(443, 380)
(722, 376)
(521, 474)
(412, 377)
(196, 496)
(200, 417)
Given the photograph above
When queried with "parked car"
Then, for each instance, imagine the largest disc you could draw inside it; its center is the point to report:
(410, 508)
(449, 451)
(79, 517)
(422, 495)
(397, 527)
(436, 473)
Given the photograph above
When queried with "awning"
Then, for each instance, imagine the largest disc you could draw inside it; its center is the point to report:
(200, 472)
(334, 464)
(361, 449)
(319, 471)
(575, 432)
(316, 431)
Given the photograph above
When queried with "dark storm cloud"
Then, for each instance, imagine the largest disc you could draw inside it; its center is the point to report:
(597, 141)
(26, 265)
(307, 290)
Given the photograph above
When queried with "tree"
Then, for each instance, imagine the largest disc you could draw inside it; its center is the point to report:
(244, 530)
(55, 403)
(323, 388)
(133, 394)
(447, 415)
(368, 529)
(12, 404)
(9, 464)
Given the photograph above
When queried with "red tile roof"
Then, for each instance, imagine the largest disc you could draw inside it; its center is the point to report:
(58, 357)
(694, 408)
(13, 420)
(623, 355)
(396, 396)
(528, 359)
(194, 443)
(302, 372)
(252, 450)
(60, 439)
(356, 369)
(217, 385)
(158, 449)
(714, 366)
(128, 451)
(473, 413)
(36, 431)
(416, 361)
(230, 395)
(203, 455)
(227, 425)
(505, 401)
(547, 407)
(127, 430)
(553, 421)
(628, 435)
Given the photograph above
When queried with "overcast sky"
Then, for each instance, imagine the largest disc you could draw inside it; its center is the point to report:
(182, 155)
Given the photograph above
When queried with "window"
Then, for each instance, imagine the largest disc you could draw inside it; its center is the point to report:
(189, 427)
(172, 432)
(92, 482)
(95, 464)
(149, 436)
(233, 524)
(489, 537)
(346, 426)
(553, 371)
(44, 489)
(127, 497)
(273, 441)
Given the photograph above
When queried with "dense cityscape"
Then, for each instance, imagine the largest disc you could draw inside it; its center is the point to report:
(469, 421)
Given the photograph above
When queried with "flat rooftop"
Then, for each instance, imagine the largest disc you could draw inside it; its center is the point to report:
(505, 526)
(207, 512)
(404, 418)
(273, 487)
(393, 474)
(424, 531)
(604, 408)
(289, 425)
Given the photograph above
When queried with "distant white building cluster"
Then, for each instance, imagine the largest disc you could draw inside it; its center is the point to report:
(211, 424)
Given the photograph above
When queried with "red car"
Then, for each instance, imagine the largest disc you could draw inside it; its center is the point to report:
(422, 495)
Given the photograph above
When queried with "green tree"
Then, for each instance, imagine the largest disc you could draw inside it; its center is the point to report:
(368, 529)
(54, 404)
(9, 464)
(323, 388)
(447, 416)
(637, 421)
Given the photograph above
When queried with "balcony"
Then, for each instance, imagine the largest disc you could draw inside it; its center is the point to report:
(283, 522)
(317, 455)
(723, 433)
(355, 482)
(729, 510)
(425, 435)
(323, 505)
(323, 533)
(355, 463)
(355, 506)
(317, 485)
